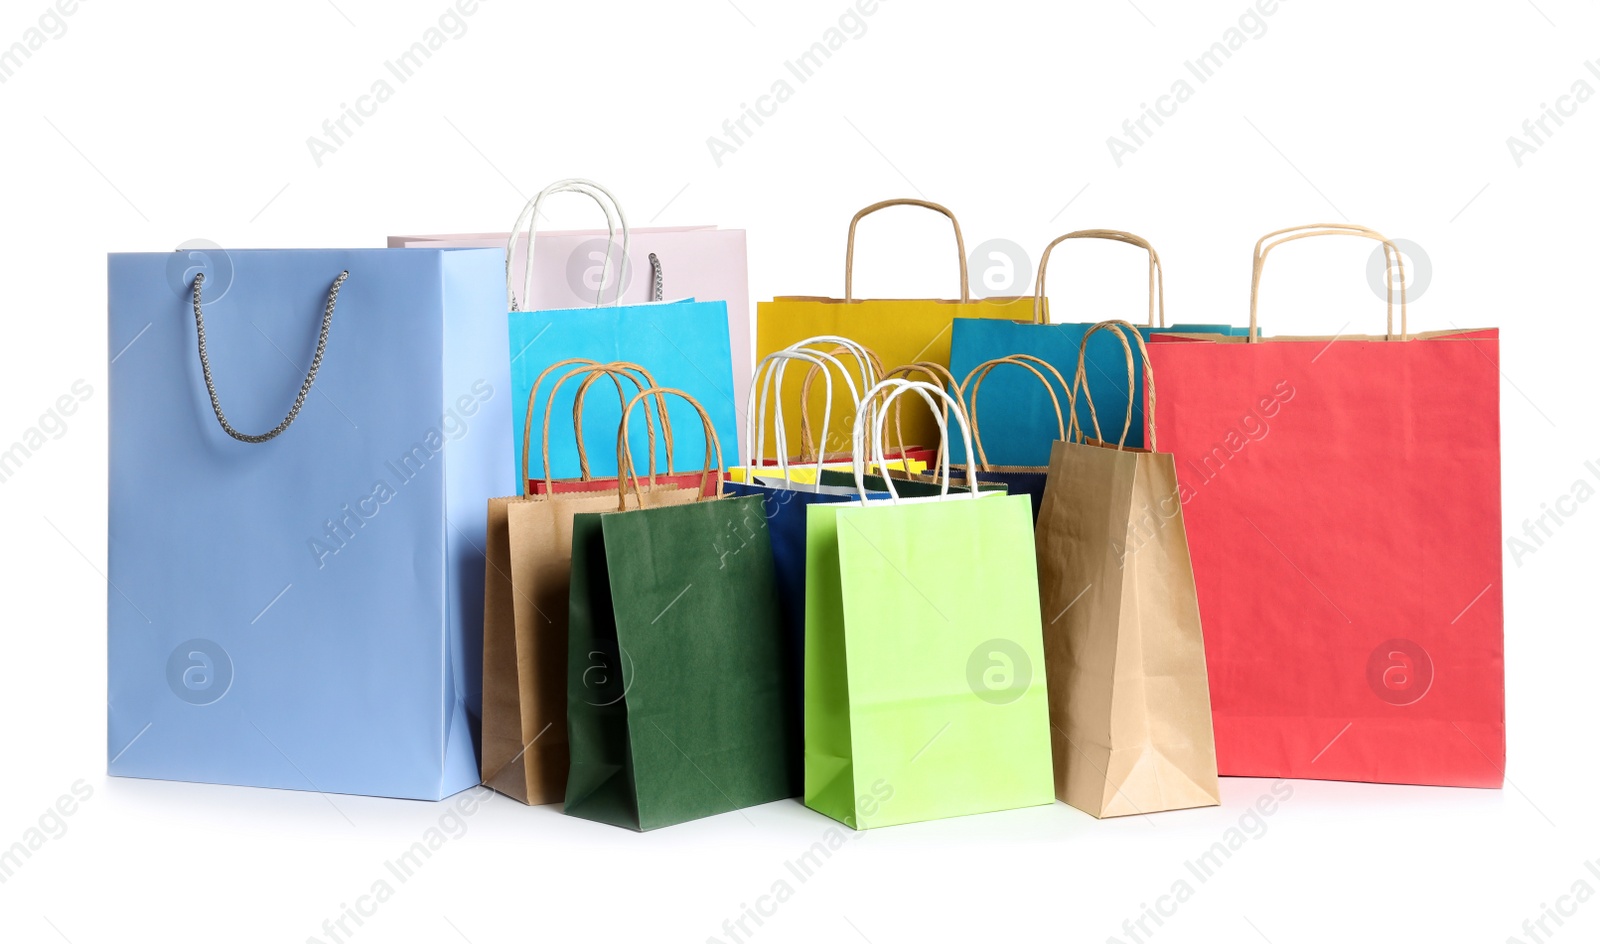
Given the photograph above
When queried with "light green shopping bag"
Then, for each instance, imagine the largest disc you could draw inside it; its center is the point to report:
(924, 675)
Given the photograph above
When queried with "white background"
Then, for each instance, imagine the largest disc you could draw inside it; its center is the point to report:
(146, 125)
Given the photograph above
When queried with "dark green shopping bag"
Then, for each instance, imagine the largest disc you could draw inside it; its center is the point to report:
(676, 699)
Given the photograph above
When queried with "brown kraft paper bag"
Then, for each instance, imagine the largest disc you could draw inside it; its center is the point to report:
(526, 587)
(1130, 707)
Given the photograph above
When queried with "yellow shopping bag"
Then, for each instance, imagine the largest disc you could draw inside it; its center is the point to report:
(900, 330)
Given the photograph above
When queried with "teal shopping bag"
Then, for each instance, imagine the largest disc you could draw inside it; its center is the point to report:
(683, 344)
(1022, 434)
(1017, 479)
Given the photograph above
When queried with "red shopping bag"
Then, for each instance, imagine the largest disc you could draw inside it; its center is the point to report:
(1342, 498)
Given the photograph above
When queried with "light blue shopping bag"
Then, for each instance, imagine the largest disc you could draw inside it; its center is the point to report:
(303, 610)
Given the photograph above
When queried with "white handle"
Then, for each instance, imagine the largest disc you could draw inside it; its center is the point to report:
(863, 359)
(869, 375)
(780, 427)
(943, 473)
(756, 427)
(529, 217)
(933, 396)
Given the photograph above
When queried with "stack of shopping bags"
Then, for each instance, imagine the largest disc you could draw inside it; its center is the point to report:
(966, 557)
(673, 298)
(528, 581)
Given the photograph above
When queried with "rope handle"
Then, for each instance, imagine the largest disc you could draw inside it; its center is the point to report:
(982, 371)
(527, 419)
(625, 453)
(940, 403)
(529, 217)
(627, 369)
(1391, 255)
(869, 366)
(655, 277)
(850, 242)
(305, 387)
(937, 374)
(593, 370)
(774, 365)
(1158, 287)
(1081, 380)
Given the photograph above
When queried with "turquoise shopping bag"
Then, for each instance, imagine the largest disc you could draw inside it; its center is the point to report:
(1022, 434)
(683, 343)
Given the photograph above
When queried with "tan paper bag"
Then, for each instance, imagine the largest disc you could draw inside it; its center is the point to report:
(525, 617)
(1130, 707)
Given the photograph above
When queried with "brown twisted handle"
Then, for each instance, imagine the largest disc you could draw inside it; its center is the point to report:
(850, 242)
(807, 442)
(625, 453)
(616, 371)
(527, 419)
(1081, 379)
(982, 371)
(1158, 288)
(628, 369)
(941, 377)
(1391, 254)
